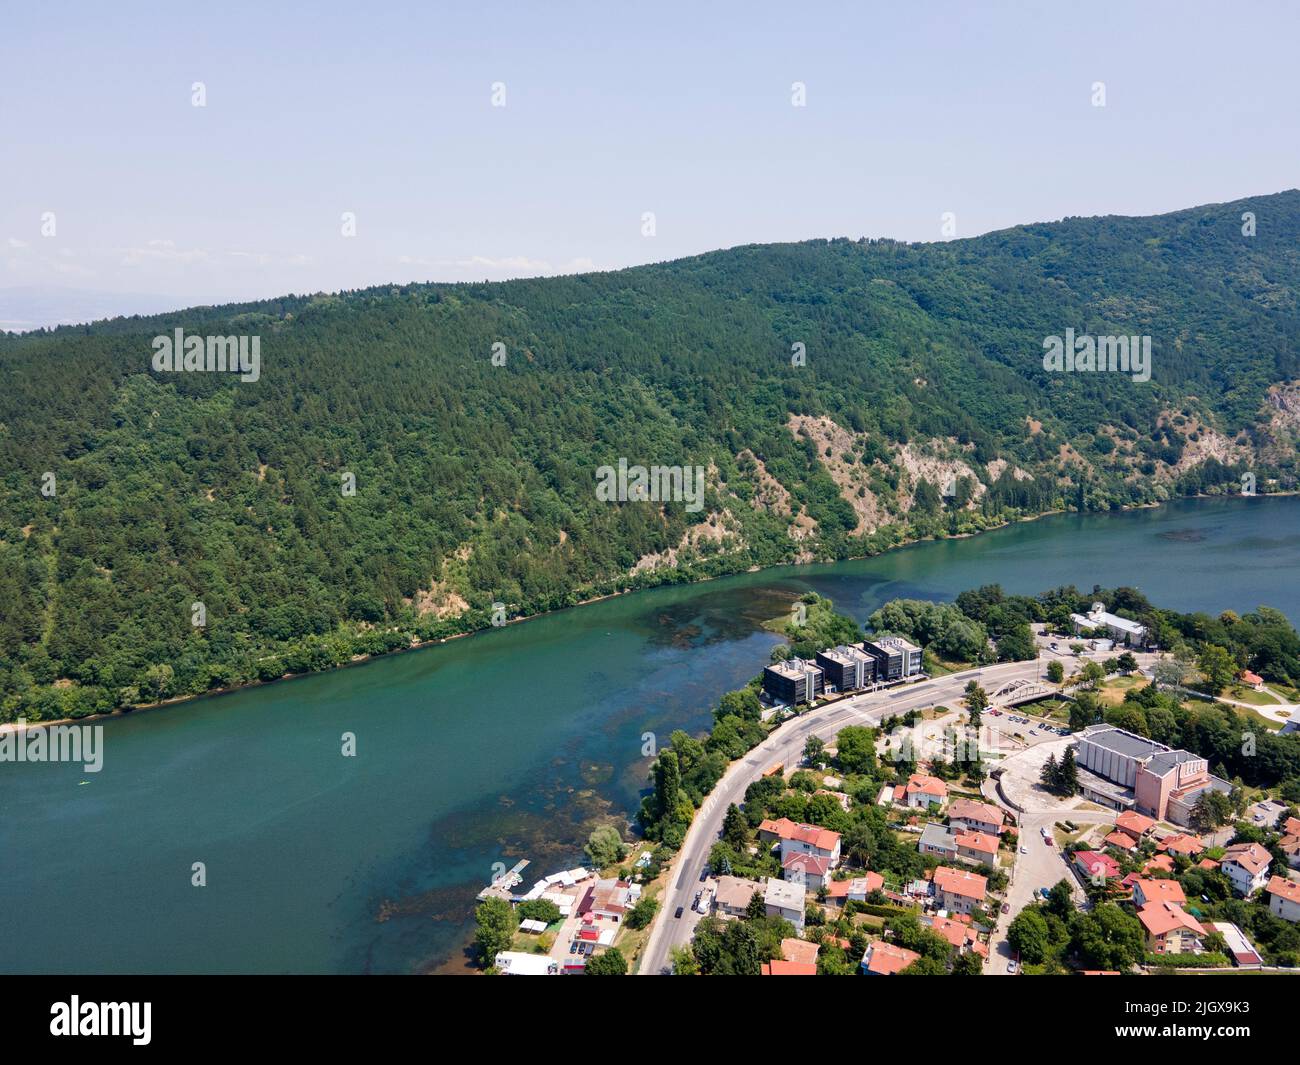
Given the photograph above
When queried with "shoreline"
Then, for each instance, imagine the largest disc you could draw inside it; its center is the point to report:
(361, 660)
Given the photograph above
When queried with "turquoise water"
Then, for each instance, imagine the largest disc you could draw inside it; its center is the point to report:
(483, 750)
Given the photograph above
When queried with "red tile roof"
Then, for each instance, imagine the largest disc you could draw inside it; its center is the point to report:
(919, 782)
(1092, 862)
(799, 951)
(1161, 891)
(885, 959)
(961, 882)
(971, 810)
(978, 841)
(1160, 918)
(788, 968)
(807, 864)
(1181, 843)
(812, 835)
(1287, 889)
(1135, 824)
(1122, 840)
(865, 884)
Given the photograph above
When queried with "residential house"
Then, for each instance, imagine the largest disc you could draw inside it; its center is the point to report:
(938, 840)
(978, 847)
(976, 816)
(885, 959)
(1254, 680)
(922, 790)
(1284, 898)
(1181, 843)
(785, 898)
(1246, 866)
(959, 932)
(731, 899)
(1290, 846)
(959, 890)
(858, 889)
(1135, 824)
(802, 839)
(1096, 867)
(1170, 929)
(1163, 863)
(1121, 841)
(810, 870)
(799, 951)
(1147, 891)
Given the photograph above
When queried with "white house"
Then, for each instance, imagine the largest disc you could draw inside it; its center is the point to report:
(784, 898)
(1284, 898)
(1246, 866)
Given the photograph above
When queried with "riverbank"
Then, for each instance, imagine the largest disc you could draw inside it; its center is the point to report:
(487, 751)
(671, 578)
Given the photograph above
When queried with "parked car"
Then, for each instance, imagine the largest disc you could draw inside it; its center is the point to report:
(1024, 849)
(1012, 968)
(1006, 907)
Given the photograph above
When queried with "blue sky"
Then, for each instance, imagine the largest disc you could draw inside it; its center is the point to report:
(612, 110)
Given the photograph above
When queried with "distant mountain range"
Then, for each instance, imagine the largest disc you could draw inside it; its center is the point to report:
(27, 307)
(410, 456)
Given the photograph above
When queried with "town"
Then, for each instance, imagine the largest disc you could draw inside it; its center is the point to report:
(884, 813)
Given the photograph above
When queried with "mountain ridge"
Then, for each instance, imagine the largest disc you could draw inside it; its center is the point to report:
(921, 408)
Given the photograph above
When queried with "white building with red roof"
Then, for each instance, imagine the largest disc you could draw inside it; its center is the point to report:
(885, 959)
(802, 839)
(959, 890)
(1246, 866)
(1284, 898)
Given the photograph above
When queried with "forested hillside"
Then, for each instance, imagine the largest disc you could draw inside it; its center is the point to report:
(922, 408)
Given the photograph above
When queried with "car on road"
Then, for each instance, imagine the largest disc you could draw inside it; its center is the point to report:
(680, 911)
(1006, 907)
(1044, 892)
(1024, 849)
(1012, 968)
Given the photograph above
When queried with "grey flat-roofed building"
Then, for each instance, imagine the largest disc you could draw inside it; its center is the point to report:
(847, 668)
(794, 681)
(895, 657)
(1115, 754)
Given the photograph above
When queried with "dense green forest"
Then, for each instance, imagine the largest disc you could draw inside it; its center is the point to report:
(919, 407)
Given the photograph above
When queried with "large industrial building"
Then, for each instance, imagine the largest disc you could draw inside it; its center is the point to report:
(1156, 780)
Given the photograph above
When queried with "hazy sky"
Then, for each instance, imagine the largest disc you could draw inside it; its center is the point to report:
(913, 109)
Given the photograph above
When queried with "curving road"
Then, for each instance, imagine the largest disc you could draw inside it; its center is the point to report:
(785, 744)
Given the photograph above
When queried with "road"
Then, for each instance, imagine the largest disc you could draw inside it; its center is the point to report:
(785, 744)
